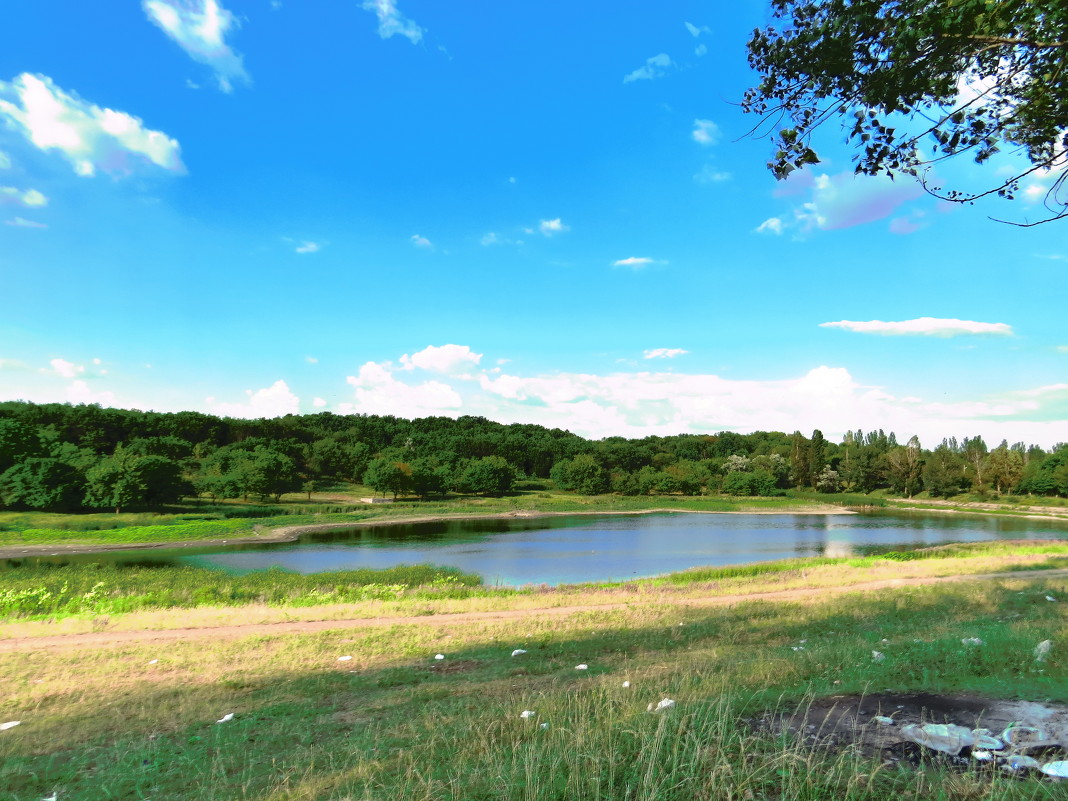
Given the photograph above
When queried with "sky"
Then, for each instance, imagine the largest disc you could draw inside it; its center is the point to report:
(552, 213)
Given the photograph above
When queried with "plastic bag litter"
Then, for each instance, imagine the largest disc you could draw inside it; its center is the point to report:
(344, 658)
(9, 725)
(972, 641)
(882, 720)
(439, 657)
(665, 703)
(527, 714)
(1050, 598)
(543, 726)
(1019, 736)
(1042, 650)
(877, 656)
(1020, 762)
(518, 652)
(1058, 769)
(582, 667)
(226, 718)
(626, 684)
(982, 756)
(945, 737)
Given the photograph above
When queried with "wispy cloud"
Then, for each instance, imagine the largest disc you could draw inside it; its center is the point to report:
(711, 175)
(391, 22)
(308, 247)
(86, 135)
(199, 27)
(696, 31)
(655, 67)
(19, 222)
(5, 161)
(635, 262)
(421, 241)
(772, 225)
(922, 326)
(552, 227)
(663, 353)
(705, 132)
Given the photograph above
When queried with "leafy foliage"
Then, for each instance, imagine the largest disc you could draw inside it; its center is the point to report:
(915, 82)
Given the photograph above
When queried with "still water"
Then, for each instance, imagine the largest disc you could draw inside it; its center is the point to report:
(559, 550)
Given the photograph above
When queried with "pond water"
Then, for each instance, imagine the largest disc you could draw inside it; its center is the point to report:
(572, 549)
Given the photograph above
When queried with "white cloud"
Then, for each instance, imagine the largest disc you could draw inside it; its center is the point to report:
(19, 222)
(491, 239)
(319, 403)
(697, 31)
(449, 359)
(62, 367)
(421, 241)
(391, 22)
(273, 401)
(311, 360)
(5, 161)
(772, 225)
(635, 262)
(710, 175)
(922, 326)
(655, 67)
(551, 227)
(199, 27)
(30, 198)
(1062, 348)
(378, 392)
(705, 132)
(700, 50)
(663, 353)
(844, 200)
(79, 392)
(86, 135)
(308, 247)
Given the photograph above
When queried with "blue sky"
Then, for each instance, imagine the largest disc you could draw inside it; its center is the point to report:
(536, 212)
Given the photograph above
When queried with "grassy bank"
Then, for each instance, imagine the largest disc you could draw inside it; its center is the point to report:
(229, 521)
(138, 720)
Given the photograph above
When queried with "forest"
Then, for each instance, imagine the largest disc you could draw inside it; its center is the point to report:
(70, 458)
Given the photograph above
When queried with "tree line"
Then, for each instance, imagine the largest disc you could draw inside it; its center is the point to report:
(64, 457)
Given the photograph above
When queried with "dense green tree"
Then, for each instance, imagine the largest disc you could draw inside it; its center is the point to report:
(388, 475)
(127, 479)
(18, 441)
(891, 71)
(42, 483)
(905, 467)
(1005, 468)
(757, 482)
(490, 475)
(942, 471)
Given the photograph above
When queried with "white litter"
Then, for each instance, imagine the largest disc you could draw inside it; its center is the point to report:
(226, 718)
(982, 756)
(1042, 650)
(1050, 598)
(582, 667)
(1019, 762)
(972, 641)
(543, 726)
(877, 656)
(152, 661)
(9, 725)
(665, 703)
(344, 658)
(883, 720)
(518, 652)
(52, 797)
(439, 657)
(527, 714)
(945, 737)
(1058, 769)
(626, 684)
(797, 648)
(1020, 737)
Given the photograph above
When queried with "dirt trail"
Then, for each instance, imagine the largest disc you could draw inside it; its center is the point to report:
(105, 639)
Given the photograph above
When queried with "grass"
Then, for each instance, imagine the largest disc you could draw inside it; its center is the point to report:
(392, 723)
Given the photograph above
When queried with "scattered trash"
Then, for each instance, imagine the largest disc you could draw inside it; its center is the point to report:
(9, 725)
(52, 797)
(982, 756)
(945, 737)
(883, 720)
(665, 703)
(877, 656)
(152, 661)
(1020, 737)
(439, 656)
(972, 641)
(1042, 650)
(518, 652)
(797, 648)
(344, 658)
(1021, 762)
(984, 741)
(226, 718)
(543, 726)
(802, 641)
(1058, 769)
(626, 684)
(1050, 598)
(528, 714)
(582, 667)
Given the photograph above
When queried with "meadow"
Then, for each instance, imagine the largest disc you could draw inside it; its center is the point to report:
(137, 719)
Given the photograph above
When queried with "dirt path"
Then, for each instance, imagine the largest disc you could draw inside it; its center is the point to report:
(936, 505)
(106, 639)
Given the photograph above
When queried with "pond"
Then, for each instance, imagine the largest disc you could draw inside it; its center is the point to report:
(572, 549)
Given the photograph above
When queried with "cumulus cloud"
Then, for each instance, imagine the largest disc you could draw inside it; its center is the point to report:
(705, 132)
(91, 138)
(199, 27)
(655, 67)
(634, 262)
(696, 31)
(62, 367)
(377, 391)
(845, 200)
(308, 247)
(552, 227)
(19, 222)
(421, 241)
(700, 50)
(319, 403)
(391, 22)
(30, 198)
(663, 353)
(922, 326)
(450, 359)
(273, 401)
